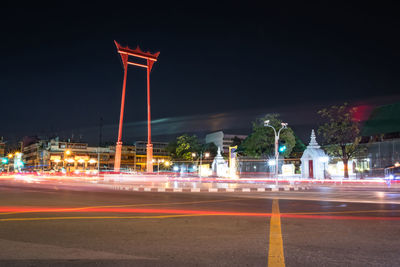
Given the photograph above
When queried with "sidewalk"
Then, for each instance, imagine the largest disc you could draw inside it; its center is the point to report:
(208, 190)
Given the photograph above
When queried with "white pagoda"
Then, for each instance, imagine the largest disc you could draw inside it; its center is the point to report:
(219, 165)
(313, 160)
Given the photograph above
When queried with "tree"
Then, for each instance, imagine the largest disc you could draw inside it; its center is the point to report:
(341, 133)
(236, 141)
(261, 142)
(183, 147)
(298, 148)
(210, 148)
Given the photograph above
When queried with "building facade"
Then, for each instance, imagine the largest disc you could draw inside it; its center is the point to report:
(2, 147)
(223, 140)
(56, 155)
(128, 158)
(63, 156)
(161, 156)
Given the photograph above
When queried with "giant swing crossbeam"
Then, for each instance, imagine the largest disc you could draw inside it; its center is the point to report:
(125, 52)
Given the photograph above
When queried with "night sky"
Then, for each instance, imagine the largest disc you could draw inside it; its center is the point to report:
(60, 72)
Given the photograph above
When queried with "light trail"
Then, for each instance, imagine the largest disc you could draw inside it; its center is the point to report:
(196, 212)
(344, 212)
(17, 210)
(130, 210)
(168, 177)
(93, 218)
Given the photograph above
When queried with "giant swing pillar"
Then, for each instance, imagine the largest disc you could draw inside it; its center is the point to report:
(125, 52)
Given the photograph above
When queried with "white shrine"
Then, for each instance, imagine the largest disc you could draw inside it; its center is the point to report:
(219, 165)
(314, 160)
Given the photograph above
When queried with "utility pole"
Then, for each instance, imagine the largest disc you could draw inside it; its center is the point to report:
(100, 131)
(99, 146)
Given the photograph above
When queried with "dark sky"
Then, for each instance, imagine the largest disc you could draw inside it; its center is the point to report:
(60, 71)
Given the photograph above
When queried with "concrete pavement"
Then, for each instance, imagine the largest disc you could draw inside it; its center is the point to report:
(322, 227)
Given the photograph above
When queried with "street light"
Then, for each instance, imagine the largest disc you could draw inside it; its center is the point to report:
(283, 126)
(67, 160)
(206, 155)
(10, 156)
(158, 164)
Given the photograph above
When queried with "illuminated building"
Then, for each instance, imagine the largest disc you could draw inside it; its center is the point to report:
(2, 147)
(56, 155)
(223, 140)
(127, 161)
(33, 153)
(159, 153)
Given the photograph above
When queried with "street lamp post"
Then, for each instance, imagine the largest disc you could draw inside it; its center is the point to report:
(98, 161)
(158, 164)
(10, 156)
(166, 164)
(277, 134)
(193, 156)
(67, 160)
(206, 155)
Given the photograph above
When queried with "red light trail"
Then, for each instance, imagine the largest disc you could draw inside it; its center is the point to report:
(15, 210)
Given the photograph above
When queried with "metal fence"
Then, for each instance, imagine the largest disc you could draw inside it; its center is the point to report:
(384, 154)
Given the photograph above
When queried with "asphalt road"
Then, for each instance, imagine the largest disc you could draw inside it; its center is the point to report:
(322, 227)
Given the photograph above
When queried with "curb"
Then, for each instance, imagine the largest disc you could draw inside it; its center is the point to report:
(207, 190)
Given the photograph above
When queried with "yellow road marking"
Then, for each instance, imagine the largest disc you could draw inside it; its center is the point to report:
(275, 251)
(121, 206)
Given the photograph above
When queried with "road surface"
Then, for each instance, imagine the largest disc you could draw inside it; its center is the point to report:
(322, 227)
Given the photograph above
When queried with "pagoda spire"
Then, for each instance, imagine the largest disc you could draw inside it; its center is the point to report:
(313, 141)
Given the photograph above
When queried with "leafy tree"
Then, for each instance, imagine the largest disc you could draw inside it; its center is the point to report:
(210, 148)
(183, 147)
(298, 148)
(261, 142)
(171, 148)
(236, 141)
(341, 133)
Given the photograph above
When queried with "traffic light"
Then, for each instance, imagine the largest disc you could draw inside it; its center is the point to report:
(282, 147)
(4, 160)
